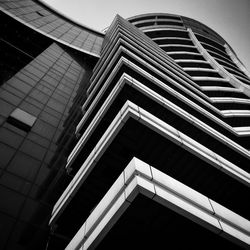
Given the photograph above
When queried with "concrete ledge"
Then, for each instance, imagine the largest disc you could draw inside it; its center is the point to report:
(217, 88)
(242, 130)
(131, 110)
(236, 113)
(229, 99)
(126, 79)
(140, 178)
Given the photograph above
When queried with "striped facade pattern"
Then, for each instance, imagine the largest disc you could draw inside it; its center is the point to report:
(166, 118)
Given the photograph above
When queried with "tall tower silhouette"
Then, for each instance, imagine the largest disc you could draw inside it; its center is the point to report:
(132, 138)
(163, 149)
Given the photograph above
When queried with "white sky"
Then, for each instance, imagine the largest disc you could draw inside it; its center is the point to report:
(229, 18)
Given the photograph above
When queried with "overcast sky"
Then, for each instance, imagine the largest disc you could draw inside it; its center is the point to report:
(229, 18)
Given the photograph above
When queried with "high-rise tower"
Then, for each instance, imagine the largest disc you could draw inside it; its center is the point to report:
(163, 150)
(153, 145)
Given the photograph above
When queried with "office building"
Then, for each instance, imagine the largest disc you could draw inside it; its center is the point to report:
(136, 137)
(45, 61)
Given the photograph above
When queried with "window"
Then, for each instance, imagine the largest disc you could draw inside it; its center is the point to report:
(21, 119)
(40, 13)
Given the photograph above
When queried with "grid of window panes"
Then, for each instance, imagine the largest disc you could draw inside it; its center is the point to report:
(42, 19)
(45, 89)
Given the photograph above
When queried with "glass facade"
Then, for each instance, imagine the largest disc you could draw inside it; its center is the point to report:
(44, 20)
(43, 91)
(42, 80)
(75, 110)
(18, 46)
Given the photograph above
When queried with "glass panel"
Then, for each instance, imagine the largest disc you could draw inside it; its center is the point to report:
(6, 153)
(12, 201)
(15, 183)
(33, 149)
(6, 225)
(24, 166)
(10, 138)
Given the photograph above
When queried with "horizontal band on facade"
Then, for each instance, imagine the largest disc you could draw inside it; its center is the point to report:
(130, 110)
(141, 178)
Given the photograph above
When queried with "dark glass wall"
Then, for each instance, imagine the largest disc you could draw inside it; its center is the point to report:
(43, 19)
(34, 105)
(18, 46)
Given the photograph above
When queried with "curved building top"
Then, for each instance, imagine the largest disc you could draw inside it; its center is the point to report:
(49, 22)
(178, 34)
(152, 21)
